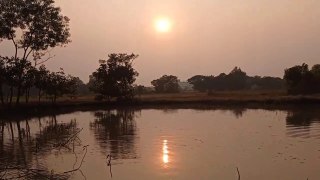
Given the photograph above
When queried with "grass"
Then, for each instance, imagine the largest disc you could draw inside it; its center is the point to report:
(242, 98)
(229, 96)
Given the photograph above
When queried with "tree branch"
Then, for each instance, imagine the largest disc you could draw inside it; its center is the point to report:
(16, 47)
(43, 61)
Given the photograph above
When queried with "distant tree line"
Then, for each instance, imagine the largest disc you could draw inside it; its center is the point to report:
(166, 84)
(302, 80)
(235, 80)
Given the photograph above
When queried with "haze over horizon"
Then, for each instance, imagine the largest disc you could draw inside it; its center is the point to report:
(206, 37)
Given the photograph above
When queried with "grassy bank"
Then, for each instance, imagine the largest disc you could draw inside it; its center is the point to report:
(245, 98)
(238, 97)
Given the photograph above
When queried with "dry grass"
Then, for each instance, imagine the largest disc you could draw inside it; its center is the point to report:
(235, 95)
(216, 98)
(228, 96)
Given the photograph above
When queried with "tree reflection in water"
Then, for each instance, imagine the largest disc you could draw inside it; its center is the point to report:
(23, 148)
(300, 122)
(115, 131)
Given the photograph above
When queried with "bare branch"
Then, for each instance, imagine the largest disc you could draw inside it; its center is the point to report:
(42, 54)
(31, 50)
(85, 148)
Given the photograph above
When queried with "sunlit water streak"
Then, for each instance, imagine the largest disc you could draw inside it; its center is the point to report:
(165, 154)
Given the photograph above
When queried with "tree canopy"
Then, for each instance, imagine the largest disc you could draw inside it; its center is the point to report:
(235, 80)
(39, 23)
(301, 80)
(114, 77)
(166, 84)
(33, 27)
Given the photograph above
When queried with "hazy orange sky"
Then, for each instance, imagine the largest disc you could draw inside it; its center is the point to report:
(263, 37)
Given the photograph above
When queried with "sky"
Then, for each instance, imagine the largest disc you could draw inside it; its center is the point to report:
(206, 37)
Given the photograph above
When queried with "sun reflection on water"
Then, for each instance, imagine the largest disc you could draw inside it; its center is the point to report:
(165, 153)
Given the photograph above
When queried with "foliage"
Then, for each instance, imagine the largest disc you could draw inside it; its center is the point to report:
(140, 89)
(166, 84)
(22, 73)
(40, 23)
(235, 80)
(59, 84)
(301, 80)
(33, 27)
(115, 77)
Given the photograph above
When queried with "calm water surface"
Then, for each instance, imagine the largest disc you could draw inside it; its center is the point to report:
(164, 144)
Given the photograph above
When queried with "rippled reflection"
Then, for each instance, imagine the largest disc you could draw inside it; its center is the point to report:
(25, 144)
(303, 122)
(115, 132)
(165, 153)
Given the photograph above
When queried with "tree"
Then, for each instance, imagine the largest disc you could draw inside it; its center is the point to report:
(236, 79)
(41, 80)
(41, 25)
(315, 70)
(301, 80)
(2, 78)
(56, 85)
(29, 79)
(115, 77)
(199, 82)
(166, 84)
(140, 89)
(73, 85)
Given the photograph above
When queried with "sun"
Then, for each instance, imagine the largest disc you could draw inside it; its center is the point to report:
(163, 25)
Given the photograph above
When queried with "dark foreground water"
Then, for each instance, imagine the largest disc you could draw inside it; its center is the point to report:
(163, 144)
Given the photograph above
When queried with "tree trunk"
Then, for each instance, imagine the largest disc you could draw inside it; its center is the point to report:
(55, 99)
(11, 95)
(18, 94)
(1, 95)
(27, 95)
(39, 96)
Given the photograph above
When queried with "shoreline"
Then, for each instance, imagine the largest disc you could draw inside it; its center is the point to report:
(281, 102)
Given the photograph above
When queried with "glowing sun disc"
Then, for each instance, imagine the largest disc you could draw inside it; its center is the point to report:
(163, 25)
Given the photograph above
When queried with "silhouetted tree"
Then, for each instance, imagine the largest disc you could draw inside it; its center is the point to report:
(115, 77)
(265, 83)
(73, 84)
(200, 83)
(41, 27)
(166, 84)
(2, 78)
(29, 80)
(57, 85)
(41, 82)
(235, 80)
(140, 89)
(300, 80)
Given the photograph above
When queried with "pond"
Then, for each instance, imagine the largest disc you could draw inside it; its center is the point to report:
(163, 144)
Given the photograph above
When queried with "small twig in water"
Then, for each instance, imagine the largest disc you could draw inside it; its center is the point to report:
(109, 163)
(85, 148)
(238, 173)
